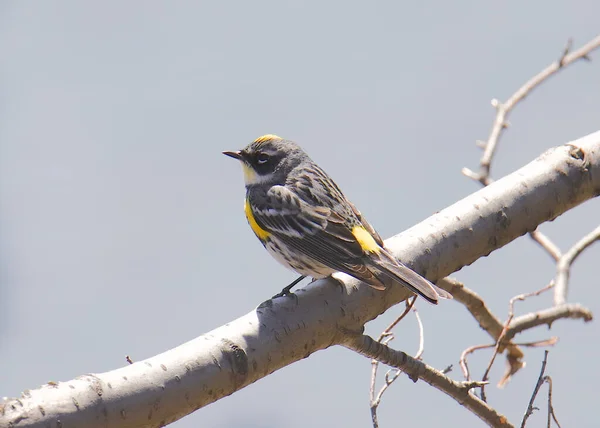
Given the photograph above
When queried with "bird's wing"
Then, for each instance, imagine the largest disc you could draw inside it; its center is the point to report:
(396, 270)
(366, 224)
(315, 231)
(325, 235)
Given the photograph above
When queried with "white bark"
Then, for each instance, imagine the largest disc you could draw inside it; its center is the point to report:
(166, 387)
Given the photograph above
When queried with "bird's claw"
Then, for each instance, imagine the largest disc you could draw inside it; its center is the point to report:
(287, 291)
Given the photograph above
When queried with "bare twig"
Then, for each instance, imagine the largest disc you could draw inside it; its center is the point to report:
(521, 297)
(544, 342)
(503, 109)
(479, 310)
(409, 304)
(492, 325)
(486, 374)
(563, 265)
(471, 300)
(548, 380)
(546, 244)
(487, 321)
(513, 366)
(416, 370)
(511, 314)
(502, 334)
(421, 349)
(541, 380)
(566, 51)
(547, 316)
(501, 122)
(510, 371)
(385, 337)
(463, 358)
(538, 385)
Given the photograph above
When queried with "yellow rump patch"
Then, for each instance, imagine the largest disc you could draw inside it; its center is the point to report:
(366, 241)
(258, 231)
(267, 137)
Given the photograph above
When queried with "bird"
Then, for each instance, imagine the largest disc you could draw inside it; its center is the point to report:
(306, 223)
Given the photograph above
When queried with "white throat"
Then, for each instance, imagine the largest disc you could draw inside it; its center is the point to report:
(251, 178)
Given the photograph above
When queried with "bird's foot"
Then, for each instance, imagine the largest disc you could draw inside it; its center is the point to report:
(287, 291)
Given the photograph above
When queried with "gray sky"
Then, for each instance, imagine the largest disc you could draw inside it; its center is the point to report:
(121, 221)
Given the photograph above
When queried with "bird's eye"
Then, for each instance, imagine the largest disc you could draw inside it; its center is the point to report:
(262, 158)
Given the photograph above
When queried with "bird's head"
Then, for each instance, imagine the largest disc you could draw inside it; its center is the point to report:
(268, 160)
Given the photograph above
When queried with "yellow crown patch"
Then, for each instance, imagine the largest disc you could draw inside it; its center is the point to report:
(267, 137)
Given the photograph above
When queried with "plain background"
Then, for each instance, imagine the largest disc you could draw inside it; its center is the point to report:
(122, 229)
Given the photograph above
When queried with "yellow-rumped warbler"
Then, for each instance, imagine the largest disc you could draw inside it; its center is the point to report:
(306, 223)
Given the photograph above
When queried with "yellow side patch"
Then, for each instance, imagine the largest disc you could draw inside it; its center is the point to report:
(267, 137)
(258, 231)
(366, 241)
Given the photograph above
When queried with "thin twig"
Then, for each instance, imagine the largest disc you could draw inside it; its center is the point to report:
(487, 321)
(563, 265)
(503, 109)
(538, 385)
(421, 349)
(391, 379)
(513, 367)
(416, 370)
(544, 342)
(504, 334)
(547, 316)
(473, 302)
(491, 324)
(477, 307)
(545, 242)
(388, 329)
(486, 374)
(384, 338)
(463, 358)
(511, 314)
(566, 51)
(548, 380)
(501, 122)
(523, 296)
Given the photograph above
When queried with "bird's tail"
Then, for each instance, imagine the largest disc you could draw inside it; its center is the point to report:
(385, 266)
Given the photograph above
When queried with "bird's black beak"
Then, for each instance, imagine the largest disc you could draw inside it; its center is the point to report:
(235, 155)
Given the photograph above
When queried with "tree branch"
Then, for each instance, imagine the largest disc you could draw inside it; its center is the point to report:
(278, 332)
(500, 340)
(563, 265)
(545, 242)
(547, 316)
(482, 314)
(500, 124)
(503, 109)
(416, 370)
